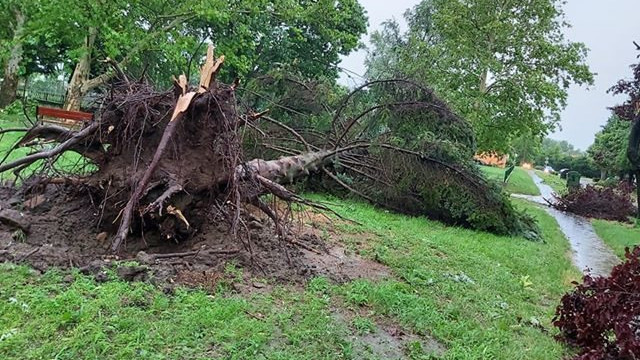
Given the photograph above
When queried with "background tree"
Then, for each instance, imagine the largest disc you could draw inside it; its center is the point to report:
(388, 47)
(14, 17)
(526, 148)
(630, 110)
(560, 154)
(157, 37)
(609, 150)
(505, 66)
(24, 48)
(555, 151)
(12, 34)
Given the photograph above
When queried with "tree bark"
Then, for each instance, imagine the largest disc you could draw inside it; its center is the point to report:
(603, 174)
(9, 87)
(483, 82)
(80, 84)
(77, 90)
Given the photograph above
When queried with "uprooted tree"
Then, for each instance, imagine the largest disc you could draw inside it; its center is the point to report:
(164, 162)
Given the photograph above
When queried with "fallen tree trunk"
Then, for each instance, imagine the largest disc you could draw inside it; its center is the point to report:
(165, 163)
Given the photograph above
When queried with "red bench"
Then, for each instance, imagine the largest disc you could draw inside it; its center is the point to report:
(62, 117)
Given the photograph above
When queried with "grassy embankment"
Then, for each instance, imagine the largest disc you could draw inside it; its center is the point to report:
(480, 295)
(617, 235)
(519, 183)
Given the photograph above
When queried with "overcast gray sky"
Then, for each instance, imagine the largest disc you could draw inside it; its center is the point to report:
(607, 27)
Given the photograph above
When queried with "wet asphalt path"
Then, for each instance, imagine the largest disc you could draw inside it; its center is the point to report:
(589, 252)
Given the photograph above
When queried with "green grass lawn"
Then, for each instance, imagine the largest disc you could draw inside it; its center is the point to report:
(519, 183)
(617, 235)
(7, 140)
(481, 296)
(557, 184)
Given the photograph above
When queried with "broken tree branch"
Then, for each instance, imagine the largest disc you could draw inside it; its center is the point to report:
(158, 203)
(140, 187)
(75, 139)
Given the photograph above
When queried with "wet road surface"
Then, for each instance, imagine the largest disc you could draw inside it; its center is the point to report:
(588, 250)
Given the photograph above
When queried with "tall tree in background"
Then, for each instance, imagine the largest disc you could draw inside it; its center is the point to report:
(630, 110)
(609, 150)
(504, 65)
(526, 148)
(25, 46)
(12, 15)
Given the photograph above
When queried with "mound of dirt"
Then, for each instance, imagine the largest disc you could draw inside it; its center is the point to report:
(54, 227)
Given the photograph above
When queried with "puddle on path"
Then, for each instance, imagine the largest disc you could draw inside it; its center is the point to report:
(588, 250)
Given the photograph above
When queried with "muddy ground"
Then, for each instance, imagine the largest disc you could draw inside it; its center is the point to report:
(57, 228)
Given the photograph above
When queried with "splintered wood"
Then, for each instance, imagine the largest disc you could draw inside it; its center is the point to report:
(209, 70)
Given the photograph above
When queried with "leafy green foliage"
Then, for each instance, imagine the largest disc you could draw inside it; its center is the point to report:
(423, 164)
(14, 109)
(559, 154)
(526, 148)
(162, 37)
(504, 72)
(446, 198)
(41, 51)
(555, 151)
(609, 151)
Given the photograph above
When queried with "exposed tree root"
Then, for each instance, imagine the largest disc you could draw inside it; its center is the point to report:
(167, 163)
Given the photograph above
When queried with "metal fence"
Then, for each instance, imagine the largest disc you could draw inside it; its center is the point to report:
(54, 98)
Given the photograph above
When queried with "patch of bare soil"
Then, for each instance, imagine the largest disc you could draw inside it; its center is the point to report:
(387, 340)
(339, 266)
(57, 228)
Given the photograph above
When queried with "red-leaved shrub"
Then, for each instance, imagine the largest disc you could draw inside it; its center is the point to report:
(606, 203)
(601, 316)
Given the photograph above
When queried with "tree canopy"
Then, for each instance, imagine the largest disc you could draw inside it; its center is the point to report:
(158, 37)
(609, 150)
(505, 66)
(23, 48)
